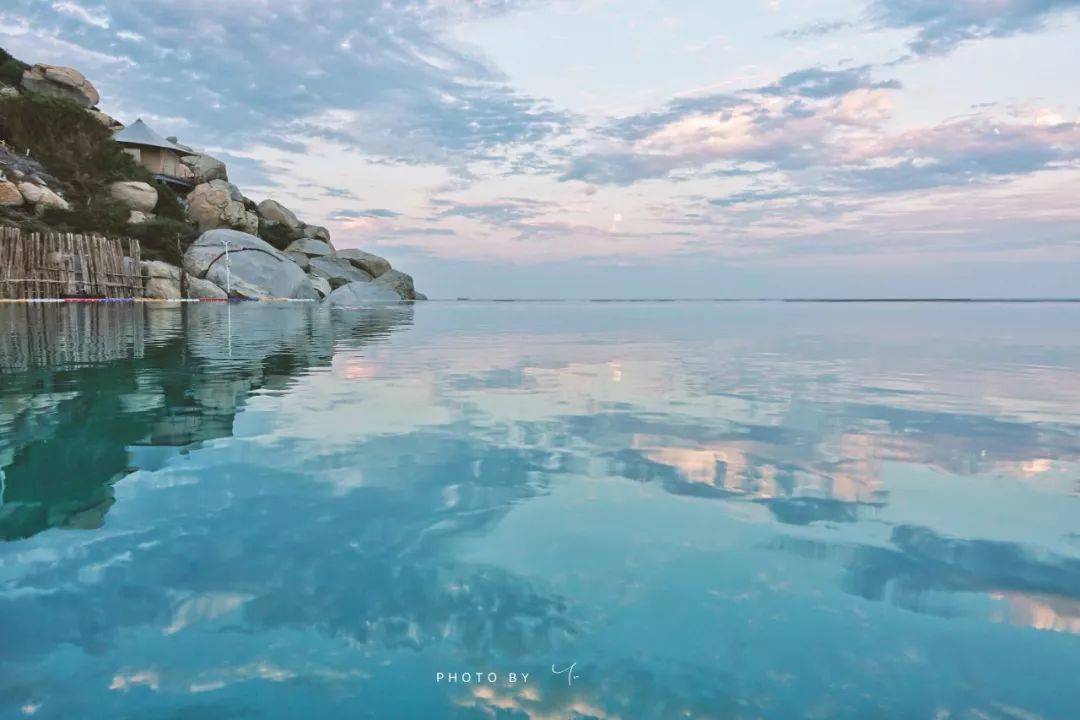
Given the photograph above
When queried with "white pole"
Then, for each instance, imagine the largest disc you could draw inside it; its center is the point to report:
(228, 269)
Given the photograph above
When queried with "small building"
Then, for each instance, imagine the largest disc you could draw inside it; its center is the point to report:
(161, 156)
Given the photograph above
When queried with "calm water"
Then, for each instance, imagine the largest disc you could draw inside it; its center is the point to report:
(714, 510)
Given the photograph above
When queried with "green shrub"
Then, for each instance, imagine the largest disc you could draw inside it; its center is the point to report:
(158, 238)
(75, 147)
(11, 69)
(102, 215)
(168, 202)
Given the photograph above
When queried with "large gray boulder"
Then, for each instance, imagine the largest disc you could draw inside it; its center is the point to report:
(318, 232)
(204, 289)
(300, 259)
(399, 282)
(274, 211)
(310, 247)
(321, 285)
(218, 204)
(159, 269)
(136, 195)
(205, 168)
(337, 271)
(253, 268)
(162, 280)
(373, 265)
(360, 294)
(62, 82)
(163, 283)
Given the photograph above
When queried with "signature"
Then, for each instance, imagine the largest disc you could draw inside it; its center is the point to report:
(570, 676)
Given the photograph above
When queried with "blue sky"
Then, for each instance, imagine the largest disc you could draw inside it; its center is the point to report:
(625, 148)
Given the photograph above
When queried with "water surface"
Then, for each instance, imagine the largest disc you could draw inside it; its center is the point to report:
(713, 510)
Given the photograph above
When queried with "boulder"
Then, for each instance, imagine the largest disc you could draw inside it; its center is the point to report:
(162, 280)
(204, 289)
(253, 268)
(42, 197)
(63, 82)
(18, 167)
(218, 204)
(10, 195)
(276, 212)
(107, 120)
(163, 283)
(338, 272)
(321, 285)
(300, 259)
(318, 232)
(135, 217)
(136, 195)
(6, 91)
(399, 282)
(161, 289)
(310, 247)
(205, 168)
(420, 296)
(159, 269)
(373, 265)
(359, 294)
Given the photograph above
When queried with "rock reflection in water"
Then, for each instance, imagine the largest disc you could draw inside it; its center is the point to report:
(87, 388)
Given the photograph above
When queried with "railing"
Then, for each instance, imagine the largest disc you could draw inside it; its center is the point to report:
(68, 265)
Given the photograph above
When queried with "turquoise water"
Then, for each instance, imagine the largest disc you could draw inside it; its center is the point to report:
(710, 510)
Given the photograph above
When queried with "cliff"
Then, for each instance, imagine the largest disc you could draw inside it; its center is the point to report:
(67, 166)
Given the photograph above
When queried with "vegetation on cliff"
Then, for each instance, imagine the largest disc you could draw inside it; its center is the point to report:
(11, 69)
(82, 158)
(65, 165)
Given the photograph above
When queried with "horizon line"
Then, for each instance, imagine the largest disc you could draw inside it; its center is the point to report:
(779, 299)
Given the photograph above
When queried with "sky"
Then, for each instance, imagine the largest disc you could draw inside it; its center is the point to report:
(625, 148)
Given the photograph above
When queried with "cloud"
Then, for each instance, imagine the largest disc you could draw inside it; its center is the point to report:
(263, 72)
(502, 211)
(820, 138)
(371, 213)
(817, 82)
(816, 29)
(97, 17)
(941, 26)
(754, 195)
(634, 127)
(337, 192)
(973, 150)
(618, 168)
(787, 124)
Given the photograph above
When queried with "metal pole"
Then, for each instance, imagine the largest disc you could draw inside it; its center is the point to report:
(228, 269)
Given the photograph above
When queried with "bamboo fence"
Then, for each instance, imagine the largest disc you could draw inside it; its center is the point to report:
(68, 265)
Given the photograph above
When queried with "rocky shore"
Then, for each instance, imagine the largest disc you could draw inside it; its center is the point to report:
(204, 237)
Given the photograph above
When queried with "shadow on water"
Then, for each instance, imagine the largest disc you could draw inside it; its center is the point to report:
(92, 392)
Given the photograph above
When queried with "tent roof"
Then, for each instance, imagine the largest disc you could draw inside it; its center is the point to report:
(139, 133)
